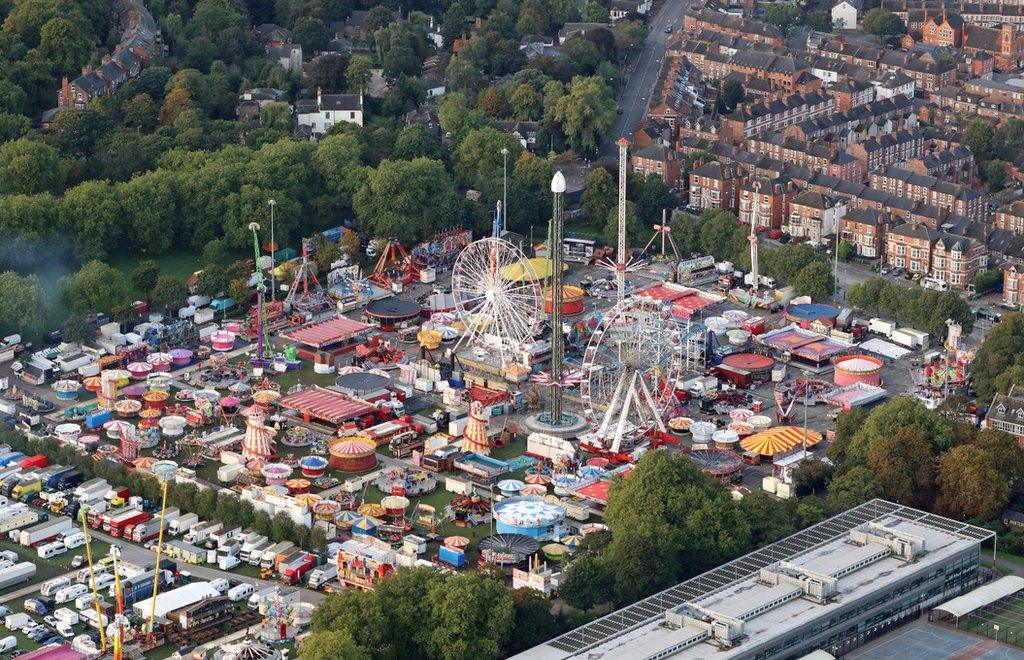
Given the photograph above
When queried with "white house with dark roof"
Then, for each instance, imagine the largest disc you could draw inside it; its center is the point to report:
(846, 14)
(319, 114)
(1007, 413)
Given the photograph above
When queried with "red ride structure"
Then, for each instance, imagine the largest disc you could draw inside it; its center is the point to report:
(394, 266)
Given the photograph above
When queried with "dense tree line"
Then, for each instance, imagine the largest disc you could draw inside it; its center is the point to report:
(921, 308)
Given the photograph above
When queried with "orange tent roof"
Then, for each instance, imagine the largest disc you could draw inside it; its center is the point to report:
(779, 439)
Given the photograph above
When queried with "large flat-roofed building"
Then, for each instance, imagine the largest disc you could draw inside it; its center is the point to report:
(833, 586)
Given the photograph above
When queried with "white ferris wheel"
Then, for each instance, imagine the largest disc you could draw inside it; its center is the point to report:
(630, 369)
(498, 296)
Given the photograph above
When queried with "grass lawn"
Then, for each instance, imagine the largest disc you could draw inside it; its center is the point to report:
(304, 375)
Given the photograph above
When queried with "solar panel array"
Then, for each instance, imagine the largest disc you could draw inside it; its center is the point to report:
(633, 616)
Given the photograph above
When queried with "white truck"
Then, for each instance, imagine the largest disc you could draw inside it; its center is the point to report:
(881, 327)
(183, 523)
(199, 533)
(91, 490)
(253, 543)
(321, 575)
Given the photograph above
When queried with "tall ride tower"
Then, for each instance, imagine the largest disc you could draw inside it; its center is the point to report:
(620, 249)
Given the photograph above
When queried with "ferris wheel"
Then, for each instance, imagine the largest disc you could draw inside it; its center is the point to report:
(498, 297)
(630, 369)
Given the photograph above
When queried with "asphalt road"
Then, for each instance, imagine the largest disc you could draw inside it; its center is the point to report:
(640, 80)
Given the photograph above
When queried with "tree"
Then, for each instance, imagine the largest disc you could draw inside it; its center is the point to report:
(811, 477)
(13, 127)
(732, 91)
(357, 73)
(406, 199)
(65, 44)
(240, 291)
(458, 117)
(415, 141)
(332, 644)
(595, 12)
(478, 162)
(716, 234)
(140, 112)
(1003, 343)
(979, 136)
(585, 113)
(652, 197)
(903, 464)
(846, 250)
(471, 617)
(79, 131)
(77, 330)
(668, 522)
(970, 486)
(144, 277)
(168, 293)
(311, 33)
(783, 15)
(851, 488)
(212, 280)
(769, 519)
(29, 167)
(216, 252)
(492, 103)
(634, 229)
(867, 294)
(96, 287)
(454, 25)
(534, 623)
(21, 303)
(276, 115)
(815, 280)
(527, 104)
(883, 22)
(599, 195)
(788, 261)
(899, 413)
(995, 174)
(379, 17)
(589, 582)
(818, 20)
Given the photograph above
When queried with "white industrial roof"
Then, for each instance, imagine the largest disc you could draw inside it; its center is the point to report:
(176, 599)
(982, 596)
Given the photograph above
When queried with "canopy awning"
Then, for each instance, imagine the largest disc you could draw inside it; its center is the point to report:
(982, 596)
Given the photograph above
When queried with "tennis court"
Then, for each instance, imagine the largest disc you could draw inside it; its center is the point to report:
(1003, 620)
(923, 640)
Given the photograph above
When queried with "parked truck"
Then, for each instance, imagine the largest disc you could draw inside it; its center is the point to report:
(254, 543)
(92, 490)
(910, 338)
(150, 529)
(269, 558)
(881, 327)
(54, 477)
(295, 570)
(117, 525)
(199, 533)
(70, 479)
(140, 587)
(45, 532)
(321, 575)
(183, 523)
(27, 488)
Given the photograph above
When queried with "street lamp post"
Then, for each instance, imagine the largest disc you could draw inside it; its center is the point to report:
(273, 249)
(504, 188)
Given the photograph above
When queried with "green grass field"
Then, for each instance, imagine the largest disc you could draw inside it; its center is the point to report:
(1002, 621)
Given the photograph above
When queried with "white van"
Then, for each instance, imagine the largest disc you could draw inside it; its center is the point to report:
(51, 550)
(8, 643)
(65, 629)
(240, 592)
(68, 594)
(51, 587)
(220, 584)
(935, 284)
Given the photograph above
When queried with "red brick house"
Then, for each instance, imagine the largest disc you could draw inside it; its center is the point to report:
(716, 185)
(1010, 218)
(763, 202)
(661, 160)
(865, 230)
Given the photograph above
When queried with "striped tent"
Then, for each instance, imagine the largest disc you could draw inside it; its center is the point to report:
(778, 440)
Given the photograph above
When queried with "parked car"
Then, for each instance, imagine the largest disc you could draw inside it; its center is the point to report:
(775, 234)
(77, 561)
(785, 238)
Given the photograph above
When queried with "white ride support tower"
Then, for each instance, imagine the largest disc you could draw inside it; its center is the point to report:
(755, 212)
(620, 249)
